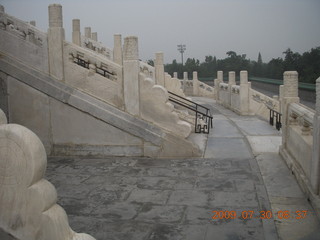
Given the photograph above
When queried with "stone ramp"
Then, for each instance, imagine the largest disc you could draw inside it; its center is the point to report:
(143, 198)
(142, 138)
(253, 136)
(146, 198)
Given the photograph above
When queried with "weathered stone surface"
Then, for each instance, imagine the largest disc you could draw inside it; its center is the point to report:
(156, 108)
(28, 202)
(159, 70)
(56, 37)
(3, 118)
(31, 109)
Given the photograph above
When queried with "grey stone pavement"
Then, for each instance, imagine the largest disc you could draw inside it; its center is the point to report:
(171, 199)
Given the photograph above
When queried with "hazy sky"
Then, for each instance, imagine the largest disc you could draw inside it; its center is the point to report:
(207, 27)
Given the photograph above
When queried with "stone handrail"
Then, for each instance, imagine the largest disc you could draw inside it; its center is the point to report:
(155, 107)
(21, 29)
(235, 89)
(300, 115)
(23, 41)
(173, 85)
(28, 202)
(94, 60)
(147, 69)
(205, 86)
(264, 99)
(96, 47)
(223, 86)
(189, 83)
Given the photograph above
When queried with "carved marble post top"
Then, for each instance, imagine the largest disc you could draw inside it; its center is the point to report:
(94, 36)
(290, 82)
(243, 77)
(175, 75)
(220, 76)
(232, 78)
(117, 40)
(1, 8)
(185, 75)
(318, 96)
(159, 58)
(87, 32)
(131, 51)
(195, 75)
(76, 25)
(55, 15)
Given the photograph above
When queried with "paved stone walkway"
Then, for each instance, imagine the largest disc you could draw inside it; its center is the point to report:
(173, 199)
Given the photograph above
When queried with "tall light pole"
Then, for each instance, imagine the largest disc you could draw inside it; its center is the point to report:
(181, 49)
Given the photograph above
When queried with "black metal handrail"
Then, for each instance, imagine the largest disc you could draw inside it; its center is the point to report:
(203, 120)
(275, 115)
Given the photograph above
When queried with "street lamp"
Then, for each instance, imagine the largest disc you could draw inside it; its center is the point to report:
(181, 49)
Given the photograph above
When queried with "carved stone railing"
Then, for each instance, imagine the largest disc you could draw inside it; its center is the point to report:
(96, 47)
(23, 41)
(147, 69)
(28, 208)
(223, 86)
(261, 104)
(173, 85)
(188, 83)
(21, 29)
(299, 138)
(206, 87)
(235, 89)
(155, 107)
(93, 74)
(300, 116)
(264, 99)
(95, 63)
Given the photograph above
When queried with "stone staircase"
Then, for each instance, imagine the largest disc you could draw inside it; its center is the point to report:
(80, 100)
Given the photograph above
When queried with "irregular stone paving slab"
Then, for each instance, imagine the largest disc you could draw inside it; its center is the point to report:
(223, 128)
(262, 144)
(227, 148)
(167, 199)
(255, 127)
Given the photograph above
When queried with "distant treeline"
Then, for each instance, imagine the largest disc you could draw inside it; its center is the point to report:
(307, 65)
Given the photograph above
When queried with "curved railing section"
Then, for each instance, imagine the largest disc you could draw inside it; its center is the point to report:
(28, 202)
(203, 117)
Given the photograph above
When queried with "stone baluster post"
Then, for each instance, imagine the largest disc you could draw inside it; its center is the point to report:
(281, 90)
(55, 41)
(195, 83)
(220, 76)
(185, 78)
(290, 95)
(175, 75)
(217, 82)
(167, 80)
(131, 71)
(117, 49)
(231, 81)
(159, 69)
(94, 36)
(76, 34)
(232, 78)
(87, 32)
(244, 93)
(216, 89)
(315, 164)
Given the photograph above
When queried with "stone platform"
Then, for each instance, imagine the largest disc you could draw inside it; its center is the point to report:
(149, 199)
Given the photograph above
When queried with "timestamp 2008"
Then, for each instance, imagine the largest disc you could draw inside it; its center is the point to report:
(250, 214)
